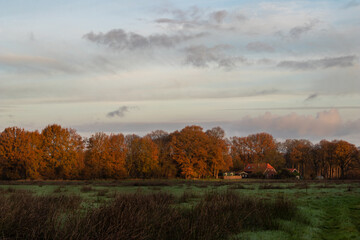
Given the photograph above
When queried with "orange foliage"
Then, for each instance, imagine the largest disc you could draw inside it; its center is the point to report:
(167, 166)
(105, 156)
(345, 153)
(62, 151)
(142, 158)
(219, 158)
(19, 154)
(58, 153)
(200, 154)
(255, 148)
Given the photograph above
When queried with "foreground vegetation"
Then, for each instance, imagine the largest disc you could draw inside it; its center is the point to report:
(180, 209)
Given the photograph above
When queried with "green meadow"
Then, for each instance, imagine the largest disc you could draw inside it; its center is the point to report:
(324, 209)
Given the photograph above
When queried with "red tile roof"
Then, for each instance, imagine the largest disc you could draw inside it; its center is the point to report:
(259, 167)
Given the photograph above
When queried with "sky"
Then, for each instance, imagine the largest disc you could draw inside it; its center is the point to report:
(289, 68)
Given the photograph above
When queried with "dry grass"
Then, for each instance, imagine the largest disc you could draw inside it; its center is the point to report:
(24, 216)
(86, 189)
(270, 186)
(217, 215)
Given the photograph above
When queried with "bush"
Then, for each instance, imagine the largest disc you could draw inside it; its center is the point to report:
(24, 216)
(218, 215)
(286, 174)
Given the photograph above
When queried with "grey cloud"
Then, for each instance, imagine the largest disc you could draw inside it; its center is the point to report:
(196, 18)
(296, 108)
(259, 47)
(219, 16)
(119, 39)
(203, 56)
(344, 61)
(351, 4)
(240, 17)
(311, 97)
(119, 112)
(349, 127)
(297, 31)
(193, 13)
(39, 64)
(265, 61)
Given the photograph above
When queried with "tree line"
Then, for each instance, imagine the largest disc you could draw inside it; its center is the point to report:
(61, 153)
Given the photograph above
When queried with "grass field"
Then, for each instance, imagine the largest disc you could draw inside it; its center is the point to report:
(324, 210)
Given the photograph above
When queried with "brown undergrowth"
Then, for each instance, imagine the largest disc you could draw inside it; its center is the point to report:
(216, 215)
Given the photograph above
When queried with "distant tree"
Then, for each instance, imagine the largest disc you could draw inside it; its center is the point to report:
(275, 158)
(167, 165)
(255, 148)
(285, 173)
(219, 158)
(240, 152)
(96, 156)
(142, 158)
(298, 155)
(189, 147)
(62, 150)
(260, 145)
(20, 156)
(327, 154)
(345, 154)
(105, 156)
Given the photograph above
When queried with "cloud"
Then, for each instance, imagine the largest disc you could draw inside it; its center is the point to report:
(311, 97)
(121, 40)
(195, 17)
(298, 31)
(219, 16)
(39, 64)
(326, 123)
(259, 47)
(344, 61)
(119, 112)
(351, 4)
(265, 61)
(202, 56)
(295, 108)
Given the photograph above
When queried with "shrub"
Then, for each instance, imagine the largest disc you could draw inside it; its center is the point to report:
(138, 216)
(24, 216)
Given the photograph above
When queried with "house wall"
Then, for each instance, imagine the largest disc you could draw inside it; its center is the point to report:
(232, 177)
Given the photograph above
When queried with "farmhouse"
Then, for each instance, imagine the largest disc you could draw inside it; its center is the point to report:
(231, 175)
(260, 168)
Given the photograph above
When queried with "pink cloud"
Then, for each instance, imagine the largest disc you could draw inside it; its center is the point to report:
(326, 123)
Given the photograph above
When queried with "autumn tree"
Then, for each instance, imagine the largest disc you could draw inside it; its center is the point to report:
(142, 159)
(256, 148)
(261, 144)
(219, 158)
(62, 150)
(105, 156)
(317, 163)
(189, 150)
(167, 165)
(327, 154)
(298, 155)
(19, 154)
(345, 154)
(240, 152)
